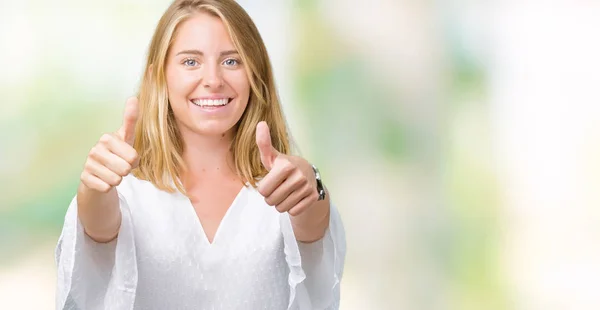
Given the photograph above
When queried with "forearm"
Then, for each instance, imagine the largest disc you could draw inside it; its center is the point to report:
(312, 224)
(99, 213)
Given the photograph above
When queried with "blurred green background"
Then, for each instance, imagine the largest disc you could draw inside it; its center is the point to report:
(459, 139)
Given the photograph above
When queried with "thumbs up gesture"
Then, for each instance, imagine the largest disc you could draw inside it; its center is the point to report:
(113, 157)
(290, 184)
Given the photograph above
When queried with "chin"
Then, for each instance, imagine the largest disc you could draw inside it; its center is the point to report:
(214, 127)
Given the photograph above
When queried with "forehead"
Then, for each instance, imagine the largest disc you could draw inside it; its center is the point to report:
(203, 32)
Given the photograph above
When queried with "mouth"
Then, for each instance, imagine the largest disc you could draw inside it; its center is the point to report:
(211, 103)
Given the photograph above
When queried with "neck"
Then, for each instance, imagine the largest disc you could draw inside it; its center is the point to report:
(207, 157)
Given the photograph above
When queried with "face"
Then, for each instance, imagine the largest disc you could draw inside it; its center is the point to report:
(207, 83)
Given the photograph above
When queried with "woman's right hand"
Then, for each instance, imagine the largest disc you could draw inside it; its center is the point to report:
(113, 157)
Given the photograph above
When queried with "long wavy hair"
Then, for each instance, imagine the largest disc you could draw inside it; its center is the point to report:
(157, 138)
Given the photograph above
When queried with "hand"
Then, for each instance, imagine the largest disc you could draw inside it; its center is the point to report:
(113, 157)
(290, 184)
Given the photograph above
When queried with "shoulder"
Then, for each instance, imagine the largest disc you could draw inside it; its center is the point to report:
(131, 185)
(254, 197)
(256, 208)
(135, 191)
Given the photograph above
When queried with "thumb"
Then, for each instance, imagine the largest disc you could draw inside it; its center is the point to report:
(263, 140)
(130, 117)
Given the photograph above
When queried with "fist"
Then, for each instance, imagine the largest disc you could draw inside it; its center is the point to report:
(290, 184)
(113, 157)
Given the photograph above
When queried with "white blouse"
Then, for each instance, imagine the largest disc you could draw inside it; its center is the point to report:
(163, 260)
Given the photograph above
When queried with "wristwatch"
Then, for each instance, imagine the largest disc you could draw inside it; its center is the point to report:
(320, 188)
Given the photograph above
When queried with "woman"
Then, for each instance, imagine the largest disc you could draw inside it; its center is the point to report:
(195, 202)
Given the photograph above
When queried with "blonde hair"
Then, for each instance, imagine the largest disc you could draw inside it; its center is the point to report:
(157, 138)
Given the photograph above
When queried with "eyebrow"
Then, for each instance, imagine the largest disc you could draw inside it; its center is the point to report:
(199, 53)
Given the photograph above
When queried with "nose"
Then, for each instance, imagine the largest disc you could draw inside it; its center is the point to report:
(212, 77)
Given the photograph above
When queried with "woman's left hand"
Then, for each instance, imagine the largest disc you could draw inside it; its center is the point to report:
(290, 184)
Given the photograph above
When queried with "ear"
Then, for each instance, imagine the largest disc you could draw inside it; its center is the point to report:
(150, 71)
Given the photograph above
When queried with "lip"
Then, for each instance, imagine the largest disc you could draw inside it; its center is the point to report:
(212, 97)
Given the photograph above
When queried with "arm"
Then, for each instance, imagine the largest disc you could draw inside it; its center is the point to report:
(311, 225)
(291, 186)
(112, 158)
(99, 213)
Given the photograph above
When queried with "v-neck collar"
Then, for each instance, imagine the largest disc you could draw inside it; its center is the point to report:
(197, 224)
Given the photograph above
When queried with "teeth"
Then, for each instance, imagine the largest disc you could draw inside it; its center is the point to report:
(210, 102)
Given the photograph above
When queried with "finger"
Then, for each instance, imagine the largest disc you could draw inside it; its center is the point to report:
(119, 148)
(304, 204)
(291, 200)
(130, 117)
(294, 183)
(110, 160)
(281, 170)
(103, 173)
(93, 182)
(263, 140)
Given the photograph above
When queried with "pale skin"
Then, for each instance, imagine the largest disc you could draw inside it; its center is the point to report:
(202, 63)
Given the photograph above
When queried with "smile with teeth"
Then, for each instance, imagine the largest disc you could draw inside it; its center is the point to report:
(208, 103)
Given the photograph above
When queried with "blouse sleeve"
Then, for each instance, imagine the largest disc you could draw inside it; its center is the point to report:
(93, 275)
(315, 268)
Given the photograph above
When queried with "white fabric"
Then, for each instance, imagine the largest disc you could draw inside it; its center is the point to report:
(163, 260)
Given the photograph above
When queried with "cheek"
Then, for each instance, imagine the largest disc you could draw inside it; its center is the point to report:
(179, 82)
(241, 85)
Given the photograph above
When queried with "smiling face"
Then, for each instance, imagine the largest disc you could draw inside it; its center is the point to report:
(207, 84)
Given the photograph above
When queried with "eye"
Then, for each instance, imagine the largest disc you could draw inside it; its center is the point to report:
(231, 62)
(190, 62)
